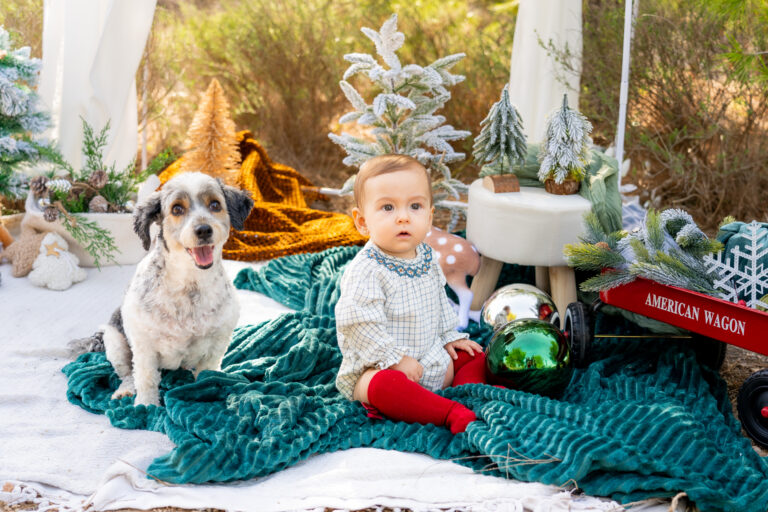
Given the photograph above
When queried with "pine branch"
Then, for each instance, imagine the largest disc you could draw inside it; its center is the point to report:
(96, 241)
(592, 257)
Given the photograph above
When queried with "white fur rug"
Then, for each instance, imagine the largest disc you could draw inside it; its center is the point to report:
(60, 456)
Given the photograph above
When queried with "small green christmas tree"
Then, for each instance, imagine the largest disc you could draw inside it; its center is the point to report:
(501, 140)
(565, 152)
(402, 118)
(20, 116)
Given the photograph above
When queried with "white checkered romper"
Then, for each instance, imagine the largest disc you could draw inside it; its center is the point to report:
(390, 307)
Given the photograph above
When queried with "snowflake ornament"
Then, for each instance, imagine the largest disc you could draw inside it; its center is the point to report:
(743, 275)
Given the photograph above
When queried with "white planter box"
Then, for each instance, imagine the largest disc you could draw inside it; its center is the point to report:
(120, 225)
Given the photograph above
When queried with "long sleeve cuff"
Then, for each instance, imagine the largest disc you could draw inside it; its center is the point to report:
(390, 357)
(450, 336)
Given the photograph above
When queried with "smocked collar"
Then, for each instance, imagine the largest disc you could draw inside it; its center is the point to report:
(413, 267)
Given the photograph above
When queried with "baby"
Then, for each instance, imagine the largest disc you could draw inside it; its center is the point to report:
(396, 327)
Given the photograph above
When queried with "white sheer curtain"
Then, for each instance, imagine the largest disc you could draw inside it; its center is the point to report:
(91, 50)
(536, 79)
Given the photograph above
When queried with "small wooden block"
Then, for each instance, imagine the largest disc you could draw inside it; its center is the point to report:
(502, 183)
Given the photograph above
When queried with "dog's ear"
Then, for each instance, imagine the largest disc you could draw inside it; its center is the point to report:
(239, 204)
(147, 213)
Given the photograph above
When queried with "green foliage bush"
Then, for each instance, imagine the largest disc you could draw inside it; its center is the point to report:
(697, 102)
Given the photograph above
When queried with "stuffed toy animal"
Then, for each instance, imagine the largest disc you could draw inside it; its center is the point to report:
(23, 251)
(55, 267)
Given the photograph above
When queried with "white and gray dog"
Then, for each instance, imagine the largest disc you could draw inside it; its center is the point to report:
(180, 308)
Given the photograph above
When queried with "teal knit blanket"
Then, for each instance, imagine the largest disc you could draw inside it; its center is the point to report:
(643, 420)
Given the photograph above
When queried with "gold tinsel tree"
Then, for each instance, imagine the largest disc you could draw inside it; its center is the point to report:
(211, 144)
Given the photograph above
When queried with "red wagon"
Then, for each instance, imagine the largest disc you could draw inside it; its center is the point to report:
(712, 323)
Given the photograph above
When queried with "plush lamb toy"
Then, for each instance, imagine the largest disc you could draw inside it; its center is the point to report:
(55, 267)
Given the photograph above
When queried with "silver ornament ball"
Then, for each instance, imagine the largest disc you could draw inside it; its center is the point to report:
(517, 301)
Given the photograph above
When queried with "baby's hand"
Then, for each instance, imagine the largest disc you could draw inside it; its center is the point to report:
(464, 344)
(410, 367)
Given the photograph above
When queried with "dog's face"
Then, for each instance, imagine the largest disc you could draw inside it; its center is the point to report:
(195, 212)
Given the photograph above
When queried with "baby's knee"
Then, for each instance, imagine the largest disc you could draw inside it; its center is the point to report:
(449, 373)
(360, 392)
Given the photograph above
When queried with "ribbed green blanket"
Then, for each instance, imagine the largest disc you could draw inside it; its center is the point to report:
(643, 420)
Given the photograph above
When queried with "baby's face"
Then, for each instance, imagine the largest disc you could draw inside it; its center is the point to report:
(396, 211)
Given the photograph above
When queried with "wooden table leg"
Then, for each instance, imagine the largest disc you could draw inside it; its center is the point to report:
(542, 279)
(563, 281)
(484, 283)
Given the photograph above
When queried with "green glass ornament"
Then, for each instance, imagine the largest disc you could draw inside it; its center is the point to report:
(530, 355)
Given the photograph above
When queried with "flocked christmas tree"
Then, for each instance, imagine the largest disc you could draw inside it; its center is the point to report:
(501, 140)
(20, 116)
(211, 143)
(402, 117)
(565, 152)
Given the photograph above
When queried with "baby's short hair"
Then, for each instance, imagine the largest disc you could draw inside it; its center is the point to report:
(384, 164)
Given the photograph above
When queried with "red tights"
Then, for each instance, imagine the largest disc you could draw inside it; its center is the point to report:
(399, 398)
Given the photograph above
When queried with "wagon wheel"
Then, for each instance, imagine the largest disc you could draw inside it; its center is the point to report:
(752, 405)
(578, 330)
(709, 351)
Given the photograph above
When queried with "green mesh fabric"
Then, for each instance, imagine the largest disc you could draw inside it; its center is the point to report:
(643, 420)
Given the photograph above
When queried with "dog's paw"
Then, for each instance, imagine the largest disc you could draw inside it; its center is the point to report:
(147, 398)
(126, 388)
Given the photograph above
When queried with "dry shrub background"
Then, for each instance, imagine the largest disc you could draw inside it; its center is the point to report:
(697, 116)
(696, 130)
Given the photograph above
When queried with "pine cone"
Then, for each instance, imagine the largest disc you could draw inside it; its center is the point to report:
(38, 185)
(98, 205)
(51, 213)
(603, 245)
(98, 179)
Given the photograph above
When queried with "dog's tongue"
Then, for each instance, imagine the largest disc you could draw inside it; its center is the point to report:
(203, 255)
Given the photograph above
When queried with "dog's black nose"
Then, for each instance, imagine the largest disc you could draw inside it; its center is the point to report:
(204, 231)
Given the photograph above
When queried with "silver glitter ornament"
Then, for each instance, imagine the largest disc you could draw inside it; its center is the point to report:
(515, 302)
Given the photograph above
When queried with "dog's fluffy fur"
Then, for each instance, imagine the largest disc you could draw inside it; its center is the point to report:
(180, 308)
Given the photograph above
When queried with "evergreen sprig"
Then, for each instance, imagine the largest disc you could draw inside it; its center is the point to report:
(668, 249)
(96, 240)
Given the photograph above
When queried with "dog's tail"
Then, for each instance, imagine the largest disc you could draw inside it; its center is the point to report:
(95, 342)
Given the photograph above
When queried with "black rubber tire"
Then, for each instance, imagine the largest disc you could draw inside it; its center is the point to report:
(753, 397)
(578, 328)
(709, 351)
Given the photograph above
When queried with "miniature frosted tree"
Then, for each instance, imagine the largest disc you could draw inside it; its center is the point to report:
(402, 117)
(20, 116)
(211, 141)
(565, 152)
(501, 138)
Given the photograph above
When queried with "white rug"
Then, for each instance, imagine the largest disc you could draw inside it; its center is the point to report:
(57, 454)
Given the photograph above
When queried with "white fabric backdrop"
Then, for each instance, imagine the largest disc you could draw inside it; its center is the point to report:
(534, 87)
(91, 50)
